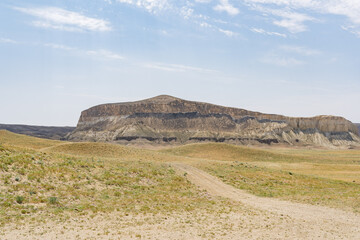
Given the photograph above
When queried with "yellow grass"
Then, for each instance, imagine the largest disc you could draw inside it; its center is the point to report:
(328, 177)
(18, 140)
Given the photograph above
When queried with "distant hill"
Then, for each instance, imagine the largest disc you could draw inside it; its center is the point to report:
(55, 133)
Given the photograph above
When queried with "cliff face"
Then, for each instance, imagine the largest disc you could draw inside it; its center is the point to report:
(165, 119)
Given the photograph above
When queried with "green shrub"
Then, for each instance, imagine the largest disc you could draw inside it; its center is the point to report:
(53, 200)
(19, 199)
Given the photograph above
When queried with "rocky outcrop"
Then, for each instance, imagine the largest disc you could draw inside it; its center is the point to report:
(166, 119)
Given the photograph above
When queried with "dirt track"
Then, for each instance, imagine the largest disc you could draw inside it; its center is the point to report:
(316, 221)
(250, 217)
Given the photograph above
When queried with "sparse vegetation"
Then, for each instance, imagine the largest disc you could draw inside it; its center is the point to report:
(19, 199)
(53, 200)
(87, 178)
(226, 152)
(90, 185)
(286, 185)
(23, 141)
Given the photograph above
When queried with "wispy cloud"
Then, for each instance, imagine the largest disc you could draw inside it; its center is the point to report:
(7, 40)
(225, 6)
(300, 50)
(262, 31)
(61, 19)
(203, 1)
(281, 61)
(289, 56)
(294, 22)
(292, 19)
(105, 54)
(59, 46)
(176, 67)
(352, 29)
(100, 54)
(228, 32)
(293, 15)
(152, 6)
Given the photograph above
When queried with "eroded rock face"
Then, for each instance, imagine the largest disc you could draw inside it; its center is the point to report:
(358, 126)
(165, 119)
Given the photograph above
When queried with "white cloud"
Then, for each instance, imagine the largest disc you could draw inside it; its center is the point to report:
(101, 54)
(281, 61)
(48, 25)
(288, 56)
(354, 30)
(225, 6)
(228, 32)
(262, 31)
(7, 40)
(294, 22)
(186, 12)
(61, 19)
(288, 10)
(59, 46)
(176, 67)
(205, 25)
(152, 6)
(300, 50)
(203, 1)
(104, 54)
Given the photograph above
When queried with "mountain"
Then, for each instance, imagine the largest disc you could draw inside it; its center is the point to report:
(166, 119)
(55, 133)
(358, 126)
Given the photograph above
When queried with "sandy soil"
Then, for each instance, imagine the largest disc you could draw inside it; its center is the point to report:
(252, 218)
(316, 221)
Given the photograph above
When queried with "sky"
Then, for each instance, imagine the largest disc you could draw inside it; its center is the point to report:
(289, 57)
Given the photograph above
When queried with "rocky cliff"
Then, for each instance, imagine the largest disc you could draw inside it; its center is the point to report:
(166, 119)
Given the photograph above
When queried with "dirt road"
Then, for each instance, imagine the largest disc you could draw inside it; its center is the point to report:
(315, 220)
(248, 217)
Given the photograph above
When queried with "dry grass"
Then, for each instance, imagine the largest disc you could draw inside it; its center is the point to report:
(226, 152)
(71, 171)
(344, 172)
(34, 182)
(18, 140)
(266, 182)
(326, 177)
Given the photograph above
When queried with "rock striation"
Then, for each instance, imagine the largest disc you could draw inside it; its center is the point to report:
(166, 119)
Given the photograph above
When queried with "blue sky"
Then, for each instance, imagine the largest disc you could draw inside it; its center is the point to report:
(290, 57)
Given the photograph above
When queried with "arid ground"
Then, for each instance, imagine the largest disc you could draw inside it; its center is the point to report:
(62, 190)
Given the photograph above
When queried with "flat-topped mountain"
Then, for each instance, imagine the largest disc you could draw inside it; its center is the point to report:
(166, 119)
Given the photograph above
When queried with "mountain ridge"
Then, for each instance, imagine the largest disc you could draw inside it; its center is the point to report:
(48, 132)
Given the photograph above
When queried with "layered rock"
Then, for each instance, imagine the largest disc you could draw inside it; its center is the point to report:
(165, 119)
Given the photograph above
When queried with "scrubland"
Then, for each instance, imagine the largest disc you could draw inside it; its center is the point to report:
(53, 189)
